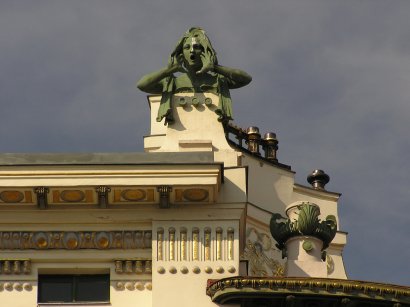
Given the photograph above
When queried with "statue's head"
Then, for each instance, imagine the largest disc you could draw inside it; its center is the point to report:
(191, 46)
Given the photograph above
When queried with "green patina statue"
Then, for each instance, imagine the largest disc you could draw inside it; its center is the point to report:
(195, 61)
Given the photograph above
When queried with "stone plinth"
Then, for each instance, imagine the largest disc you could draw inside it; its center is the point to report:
(304, 257)
(195, 129)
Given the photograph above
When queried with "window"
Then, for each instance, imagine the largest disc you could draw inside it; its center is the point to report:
(73, 288)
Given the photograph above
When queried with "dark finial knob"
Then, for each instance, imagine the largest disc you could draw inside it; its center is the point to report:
(270, 145)
(253, 139)
(318, 179)
(252, 130)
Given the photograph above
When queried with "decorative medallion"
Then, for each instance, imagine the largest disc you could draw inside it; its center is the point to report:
(102, 240)
(71, 240)
(72, 196)
(41, 240)
(11, 196)
(195, 194)
(81, 195)
(133, 194)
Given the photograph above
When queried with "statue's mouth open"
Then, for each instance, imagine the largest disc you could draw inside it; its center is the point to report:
(192, 57)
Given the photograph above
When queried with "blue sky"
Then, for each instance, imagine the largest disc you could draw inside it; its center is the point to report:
(331, 78)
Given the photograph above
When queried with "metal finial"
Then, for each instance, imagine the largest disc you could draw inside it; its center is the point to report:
(318, 179)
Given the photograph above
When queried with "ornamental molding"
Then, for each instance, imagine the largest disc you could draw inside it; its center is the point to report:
(131, 285)
(15, 266)
(128, 266)
(222, 290)
(74, 240)
(16, 286)
(261, 254)
(196, 269)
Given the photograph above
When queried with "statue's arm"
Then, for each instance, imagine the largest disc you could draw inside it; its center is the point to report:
(236, 77)
(151, 83)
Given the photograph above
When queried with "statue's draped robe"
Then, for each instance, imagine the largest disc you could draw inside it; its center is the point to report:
(224, 108)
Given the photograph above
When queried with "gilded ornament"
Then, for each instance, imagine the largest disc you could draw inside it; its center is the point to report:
(118, 266)
(139, 267)
(129, 285)
(161, 270)
(172, 270)
(11, 196)
(148, 285)
(139, 285)
(41, 240)
(27, 286)
(71, 240)
(160, 244)
(72, 196)
(171, 243)
(220, 269)
(184, 270)
(7, 267)
(195, 194)
(207, 243)
(196, 270)
(208, 270)
(128, 266)
(134, 194)
(183, 252)
(148, 267)
(8, 286)
(16, 267)
(18, 286)
(195, 244)
(260, 262)
(230, 234)
(120, 285)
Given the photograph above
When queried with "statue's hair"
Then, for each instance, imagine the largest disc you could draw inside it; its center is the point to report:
(203, 40)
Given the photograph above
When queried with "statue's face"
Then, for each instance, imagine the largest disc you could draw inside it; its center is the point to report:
(192, 50)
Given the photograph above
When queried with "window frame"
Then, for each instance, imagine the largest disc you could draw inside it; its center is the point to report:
(74, 280)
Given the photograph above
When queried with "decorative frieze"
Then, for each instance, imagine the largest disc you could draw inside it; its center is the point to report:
(14, 196)
(16, 286)
(132, 285)
(196, 269)
(234, 287)
(129, 266)
(71, 240)
(105, 196)
(204, 244)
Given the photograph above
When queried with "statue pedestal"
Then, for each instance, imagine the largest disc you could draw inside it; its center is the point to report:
(196, 128)
(304, 257)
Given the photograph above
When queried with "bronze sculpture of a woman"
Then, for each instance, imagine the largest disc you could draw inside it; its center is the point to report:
(195, 60)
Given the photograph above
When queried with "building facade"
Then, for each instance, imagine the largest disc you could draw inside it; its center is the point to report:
(154, 228)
